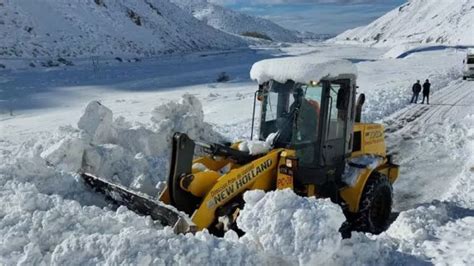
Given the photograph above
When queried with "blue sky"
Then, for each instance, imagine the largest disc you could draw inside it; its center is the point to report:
(319, 16)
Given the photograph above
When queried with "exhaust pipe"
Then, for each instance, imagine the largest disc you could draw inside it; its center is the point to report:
(360, 103)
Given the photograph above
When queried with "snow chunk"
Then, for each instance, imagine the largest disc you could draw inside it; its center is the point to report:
(300, 69)
(185, 116)
(66, 154)
(256, 147)
(97, 122)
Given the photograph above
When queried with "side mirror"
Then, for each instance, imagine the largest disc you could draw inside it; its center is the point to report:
(343, 98)
(262, 89)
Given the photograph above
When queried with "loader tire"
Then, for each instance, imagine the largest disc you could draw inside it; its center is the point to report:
(375, 206)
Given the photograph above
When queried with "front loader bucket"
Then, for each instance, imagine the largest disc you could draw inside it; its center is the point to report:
(142, 204)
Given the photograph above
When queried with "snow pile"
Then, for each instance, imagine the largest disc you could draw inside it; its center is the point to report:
(108, 28)
(301, 69)
(133, 155)
(235, 22)
(441, 233)
(289, 226)
(38, 228)
(420, 22)
(305, 231)
(462, 192)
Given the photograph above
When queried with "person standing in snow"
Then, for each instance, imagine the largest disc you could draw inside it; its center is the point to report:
(416, 91)
(426, 92)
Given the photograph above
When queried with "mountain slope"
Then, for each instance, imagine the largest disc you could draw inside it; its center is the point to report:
(49, 28)
(235, 22)
(419, 21)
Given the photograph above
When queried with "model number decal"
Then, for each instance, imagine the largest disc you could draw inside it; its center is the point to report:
(373, 137)
(238, 183)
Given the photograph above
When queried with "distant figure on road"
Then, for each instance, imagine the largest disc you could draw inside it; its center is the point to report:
(426, 92)
(416, 91)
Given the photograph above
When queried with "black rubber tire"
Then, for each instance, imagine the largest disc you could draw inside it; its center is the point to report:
(375, 206)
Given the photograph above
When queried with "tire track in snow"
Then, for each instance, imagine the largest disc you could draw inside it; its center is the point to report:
(439, 106)
(424, 113)
(427, 140)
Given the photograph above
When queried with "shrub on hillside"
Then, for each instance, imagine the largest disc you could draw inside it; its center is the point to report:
(223, 77)
(65, 61)
(134, 17)
(100, 3)
(255, 34)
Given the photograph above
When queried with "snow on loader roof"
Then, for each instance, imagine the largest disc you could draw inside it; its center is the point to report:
(300, 69)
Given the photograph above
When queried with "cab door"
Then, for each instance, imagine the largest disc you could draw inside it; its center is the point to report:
(337, 129)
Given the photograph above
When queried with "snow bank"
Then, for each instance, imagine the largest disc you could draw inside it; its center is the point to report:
(441, 233)
(300, 69)
(462, 192)
(37, 228)
(134, 155)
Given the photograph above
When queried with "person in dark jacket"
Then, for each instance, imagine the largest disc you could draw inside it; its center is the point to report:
(426, 92)
(416, 91)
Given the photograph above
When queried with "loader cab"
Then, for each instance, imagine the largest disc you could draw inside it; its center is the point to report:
(315, 119)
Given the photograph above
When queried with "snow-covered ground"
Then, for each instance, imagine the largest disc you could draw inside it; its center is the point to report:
(48, 216)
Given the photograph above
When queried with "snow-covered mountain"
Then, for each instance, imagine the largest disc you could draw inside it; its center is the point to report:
(235, 22)
(419, 21)
(63, 28)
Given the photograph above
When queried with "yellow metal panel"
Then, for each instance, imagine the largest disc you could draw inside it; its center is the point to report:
(373, 139)
(212, 163)
(258, 174)
(201, 183)
(311, 190)
(352, 195)
(391, 171)
(284, 181)
(165, 196)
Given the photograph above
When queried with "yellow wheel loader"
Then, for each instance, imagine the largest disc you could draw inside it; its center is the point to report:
(315, 146)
